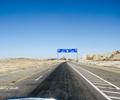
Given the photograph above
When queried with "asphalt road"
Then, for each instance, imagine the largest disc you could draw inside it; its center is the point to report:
(63, 84)
(107, 75)
(66, 81)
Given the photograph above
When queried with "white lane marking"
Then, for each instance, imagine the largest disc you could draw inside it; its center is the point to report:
(14, 88)
(8, 88)
(105, 87)
(102, 79)
(97, 81)
(38, 78)
(34, 74)
(104, 95)
(42, 75)
(111, 92)
(49, 70)
(34, 98)
(100, 84)
(112, 97)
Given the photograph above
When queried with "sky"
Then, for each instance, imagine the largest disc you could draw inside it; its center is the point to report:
(37, 28)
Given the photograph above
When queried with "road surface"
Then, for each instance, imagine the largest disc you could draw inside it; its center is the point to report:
(63, 84)
(67, 81)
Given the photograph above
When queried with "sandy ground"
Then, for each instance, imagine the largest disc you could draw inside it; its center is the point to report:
(12, 71)
(7, 66)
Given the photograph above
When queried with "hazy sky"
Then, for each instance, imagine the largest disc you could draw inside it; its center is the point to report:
(36, 28)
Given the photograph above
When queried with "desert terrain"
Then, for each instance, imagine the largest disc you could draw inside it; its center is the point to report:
(105, 61)
(13, 71)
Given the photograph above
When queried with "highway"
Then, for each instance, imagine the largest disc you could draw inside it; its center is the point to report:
(66, 81)
(63, 84)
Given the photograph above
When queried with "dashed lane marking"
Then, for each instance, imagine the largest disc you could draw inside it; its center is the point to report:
(104, 95)
(103, 87)
(110, 92)
(103, 80)
(116, 98)
(8, 88)
(101, 84)
(38, 78)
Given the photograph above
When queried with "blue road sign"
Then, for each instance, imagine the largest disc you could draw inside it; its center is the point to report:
(67, 50)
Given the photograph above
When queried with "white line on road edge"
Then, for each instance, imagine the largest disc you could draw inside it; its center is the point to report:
(32, 98)
(102, 79)
(14, 88)
(32, 74)
(9, 88)
(97, 82)
(91, 84)
(38, 78)
(110, 92)
(100, 84)
(103, 87)
(44, 73)
(112, 97)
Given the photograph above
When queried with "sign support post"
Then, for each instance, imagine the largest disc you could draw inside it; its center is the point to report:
(57, 56)
(77, 59)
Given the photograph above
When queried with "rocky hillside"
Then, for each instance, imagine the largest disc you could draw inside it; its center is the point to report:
(113, 56)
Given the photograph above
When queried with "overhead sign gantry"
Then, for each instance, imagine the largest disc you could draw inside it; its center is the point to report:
(73, 50)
